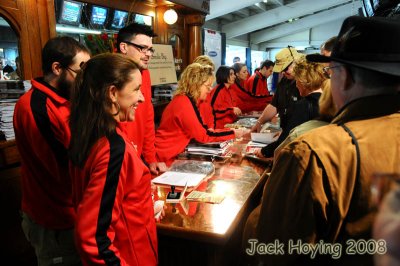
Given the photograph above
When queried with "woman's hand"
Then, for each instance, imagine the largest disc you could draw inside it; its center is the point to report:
(237, 111)
(159, 210)
(157, 167)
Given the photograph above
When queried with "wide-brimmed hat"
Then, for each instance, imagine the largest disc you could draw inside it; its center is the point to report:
(284, 58)
(370, 43)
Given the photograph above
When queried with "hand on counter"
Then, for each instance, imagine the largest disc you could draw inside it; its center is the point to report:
(237, 111)
(157, 168)
(260, 155)
(159, 210)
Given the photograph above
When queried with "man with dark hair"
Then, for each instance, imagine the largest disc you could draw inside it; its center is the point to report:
(256, 95)
(42, 135)
(327, 46)
(257, 83)
(318, 195)
(135, 40)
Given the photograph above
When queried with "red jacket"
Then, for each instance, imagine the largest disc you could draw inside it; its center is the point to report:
(142, 131)
(115, 221)
(257, 86)
(248, 102)
(180, 123)
(42, 136)
(206, 113)
(222, 101)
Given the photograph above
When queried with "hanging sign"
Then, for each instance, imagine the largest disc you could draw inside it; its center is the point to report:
(162, 65)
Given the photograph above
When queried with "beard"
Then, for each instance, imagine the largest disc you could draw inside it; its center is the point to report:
(64, 85)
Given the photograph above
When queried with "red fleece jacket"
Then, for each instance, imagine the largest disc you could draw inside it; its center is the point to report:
(142, 131)
(42, 136)
(180, 123)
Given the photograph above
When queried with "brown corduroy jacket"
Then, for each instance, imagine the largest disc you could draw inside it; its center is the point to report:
(314, 196)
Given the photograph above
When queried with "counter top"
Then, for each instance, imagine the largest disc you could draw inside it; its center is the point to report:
(214, 223)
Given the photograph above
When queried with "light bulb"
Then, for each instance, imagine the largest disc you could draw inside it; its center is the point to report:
(170, 16)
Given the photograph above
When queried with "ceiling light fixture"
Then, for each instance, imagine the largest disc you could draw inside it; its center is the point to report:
(170, 16)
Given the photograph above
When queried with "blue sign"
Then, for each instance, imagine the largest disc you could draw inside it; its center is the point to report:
(212, 53)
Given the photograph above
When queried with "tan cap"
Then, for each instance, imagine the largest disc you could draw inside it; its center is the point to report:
(284, 58)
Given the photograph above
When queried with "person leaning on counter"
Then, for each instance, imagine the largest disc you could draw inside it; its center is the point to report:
(111, 184)
(181, 120)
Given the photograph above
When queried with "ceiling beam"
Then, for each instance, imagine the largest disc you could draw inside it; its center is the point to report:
(279, 2)
(303, 23)
(237, 42)
(221, 7)
(244, 12)
(261, 6)
(277, 15)
(229, 17)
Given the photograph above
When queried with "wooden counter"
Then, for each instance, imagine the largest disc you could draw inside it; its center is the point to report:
(16, 249)
(210, 234)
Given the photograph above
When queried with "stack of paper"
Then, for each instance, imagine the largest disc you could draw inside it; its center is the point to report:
(266, 138)
(252, 146)
(179, 179)
(6, 117)
(183, 173)
(213, 148)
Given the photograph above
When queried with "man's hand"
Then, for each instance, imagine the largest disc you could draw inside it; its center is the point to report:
(256, 127)
(387, 227)
(157, 167)
(258, 153)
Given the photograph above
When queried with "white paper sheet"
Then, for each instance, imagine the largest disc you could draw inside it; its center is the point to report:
(179, 179)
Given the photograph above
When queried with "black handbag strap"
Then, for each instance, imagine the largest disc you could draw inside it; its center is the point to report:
(358, 169)
(355, 143)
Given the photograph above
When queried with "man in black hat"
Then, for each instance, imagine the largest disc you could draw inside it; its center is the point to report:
(316, 207)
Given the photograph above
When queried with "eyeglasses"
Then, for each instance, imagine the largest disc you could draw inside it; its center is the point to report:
(142, 49)
(327, 71)
(81, 65)
(287, 69)
(73, 70)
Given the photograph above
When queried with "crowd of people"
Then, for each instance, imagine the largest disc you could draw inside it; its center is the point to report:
(89, 147)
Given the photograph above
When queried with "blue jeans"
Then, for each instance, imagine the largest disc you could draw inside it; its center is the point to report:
(52, 247)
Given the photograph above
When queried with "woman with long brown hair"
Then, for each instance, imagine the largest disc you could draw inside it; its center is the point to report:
(111, 185)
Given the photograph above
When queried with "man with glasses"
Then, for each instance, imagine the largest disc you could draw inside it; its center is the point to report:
(136, 41)
(319, 192)
(42, 135)
(286, 95)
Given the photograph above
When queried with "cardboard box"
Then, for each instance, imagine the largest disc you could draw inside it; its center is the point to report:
(266, 138)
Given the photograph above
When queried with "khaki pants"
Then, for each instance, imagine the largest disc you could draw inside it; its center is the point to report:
(52, 247)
